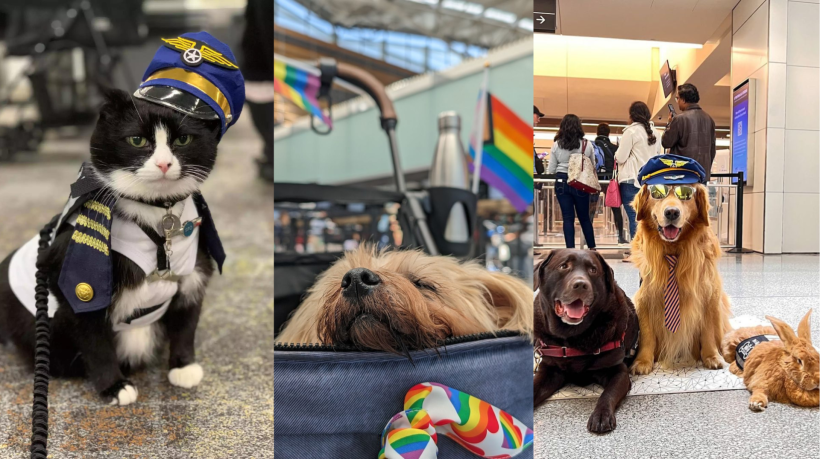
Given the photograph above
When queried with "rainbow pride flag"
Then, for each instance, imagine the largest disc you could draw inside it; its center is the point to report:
(300, 87)
(506, 162)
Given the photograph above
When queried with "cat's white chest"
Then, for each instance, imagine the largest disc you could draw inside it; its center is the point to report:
(128, 239)
(136, 310)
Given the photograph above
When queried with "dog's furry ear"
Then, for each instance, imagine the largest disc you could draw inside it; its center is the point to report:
(702, 202)
(784, 331)
(640, 205)
(609, 275)
(510, 297)
(538, 273)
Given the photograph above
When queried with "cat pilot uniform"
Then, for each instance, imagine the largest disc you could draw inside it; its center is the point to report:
(194, 74)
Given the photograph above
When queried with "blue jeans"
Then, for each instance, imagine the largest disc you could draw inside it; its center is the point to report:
(574, 202)
(628, 192)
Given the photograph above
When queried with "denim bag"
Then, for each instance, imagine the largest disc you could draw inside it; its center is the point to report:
(333, 403)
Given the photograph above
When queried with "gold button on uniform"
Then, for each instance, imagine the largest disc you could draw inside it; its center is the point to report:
(84, 292)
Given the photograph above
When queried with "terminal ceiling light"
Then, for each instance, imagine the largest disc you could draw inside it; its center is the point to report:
(526, 24)
(501, 16)
(467, 7)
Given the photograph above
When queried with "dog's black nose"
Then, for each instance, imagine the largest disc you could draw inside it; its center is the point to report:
(359, 282)
(671, 213)
(580, 284)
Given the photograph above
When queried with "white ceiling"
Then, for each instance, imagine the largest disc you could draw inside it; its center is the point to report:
(685, 21)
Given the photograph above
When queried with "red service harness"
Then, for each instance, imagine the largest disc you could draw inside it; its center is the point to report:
(547, 350)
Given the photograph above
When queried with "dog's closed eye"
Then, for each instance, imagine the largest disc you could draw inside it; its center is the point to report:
(422, 284)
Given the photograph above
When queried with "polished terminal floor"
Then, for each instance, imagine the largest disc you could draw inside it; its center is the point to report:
(230, 414)
(706, 424)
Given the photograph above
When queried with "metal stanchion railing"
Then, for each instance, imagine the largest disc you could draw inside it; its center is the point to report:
(545, 222)
(741, 183)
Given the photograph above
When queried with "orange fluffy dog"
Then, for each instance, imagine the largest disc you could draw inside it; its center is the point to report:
(674, 233)
(398, 301)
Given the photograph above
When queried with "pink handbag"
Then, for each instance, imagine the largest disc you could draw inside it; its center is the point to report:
(613, 191)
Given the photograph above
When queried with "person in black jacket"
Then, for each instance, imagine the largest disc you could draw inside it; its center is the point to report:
(609, 164)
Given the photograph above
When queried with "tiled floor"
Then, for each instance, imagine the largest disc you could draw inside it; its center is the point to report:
(230, 414)
(710, 424)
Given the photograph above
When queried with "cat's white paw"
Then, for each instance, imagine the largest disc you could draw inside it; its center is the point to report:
(126, 396)
(187, 376)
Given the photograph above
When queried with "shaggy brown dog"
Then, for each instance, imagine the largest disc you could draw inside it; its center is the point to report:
(670, 226)
(398, 301)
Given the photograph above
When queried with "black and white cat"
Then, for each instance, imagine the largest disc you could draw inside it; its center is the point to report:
(145, 155)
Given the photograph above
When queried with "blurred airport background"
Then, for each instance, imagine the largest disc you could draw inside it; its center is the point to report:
(430, 55)
(600, 59)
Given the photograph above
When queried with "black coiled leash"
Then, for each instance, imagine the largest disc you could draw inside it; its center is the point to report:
(42, 353)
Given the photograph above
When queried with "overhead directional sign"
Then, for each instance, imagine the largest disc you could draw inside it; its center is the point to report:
(544, 15)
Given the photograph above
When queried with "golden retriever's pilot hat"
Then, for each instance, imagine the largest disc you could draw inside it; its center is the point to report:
(671, 170)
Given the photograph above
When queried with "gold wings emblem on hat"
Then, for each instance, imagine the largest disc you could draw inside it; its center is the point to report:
(208, 54)
(674, 163)
(180, 43)
(215, 57)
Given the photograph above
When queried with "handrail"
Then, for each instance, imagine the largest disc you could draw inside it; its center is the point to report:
(741, 182)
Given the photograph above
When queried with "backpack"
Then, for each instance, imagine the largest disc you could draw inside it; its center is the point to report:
(609, 155)
(600, 161)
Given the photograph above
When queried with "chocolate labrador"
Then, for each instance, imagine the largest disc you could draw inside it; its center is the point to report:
(586, 331)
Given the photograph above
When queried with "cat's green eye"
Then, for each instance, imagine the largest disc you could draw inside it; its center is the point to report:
(183, 140)
(137, 141)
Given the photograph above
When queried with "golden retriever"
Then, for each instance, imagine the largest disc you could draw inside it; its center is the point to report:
(671, 226)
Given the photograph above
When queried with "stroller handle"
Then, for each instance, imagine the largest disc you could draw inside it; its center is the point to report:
(373, 87)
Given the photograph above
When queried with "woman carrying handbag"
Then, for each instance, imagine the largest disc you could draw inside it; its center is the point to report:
(612, 199)
(639, 143)
(569, 142)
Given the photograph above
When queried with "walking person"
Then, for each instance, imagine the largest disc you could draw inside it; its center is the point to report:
(639, 142)
(569, 141)
(257, 67)
(609, 165)
(692, 132)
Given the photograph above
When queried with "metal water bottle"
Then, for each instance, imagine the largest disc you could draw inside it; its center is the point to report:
(450, 171)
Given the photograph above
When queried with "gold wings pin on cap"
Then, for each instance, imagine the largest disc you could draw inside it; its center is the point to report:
(674, 163)
(193, 52)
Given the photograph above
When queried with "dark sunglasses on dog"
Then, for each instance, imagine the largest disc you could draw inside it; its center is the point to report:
(682, 192)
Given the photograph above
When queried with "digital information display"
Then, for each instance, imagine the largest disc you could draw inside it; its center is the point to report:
(740, 129)
(667, 82)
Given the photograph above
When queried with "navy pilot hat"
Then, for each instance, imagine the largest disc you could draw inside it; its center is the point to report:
(671, 170)
(195, 74)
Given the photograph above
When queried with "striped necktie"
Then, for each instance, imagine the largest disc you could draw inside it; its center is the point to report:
(671, 297)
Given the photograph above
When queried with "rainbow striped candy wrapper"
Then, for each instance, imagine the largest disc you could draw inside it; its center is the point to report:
(432, 408)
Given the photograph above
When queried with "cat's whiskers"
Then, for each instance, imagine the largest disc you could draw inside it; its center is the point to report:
(199, 174)
(116, 194)
(135, 108)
